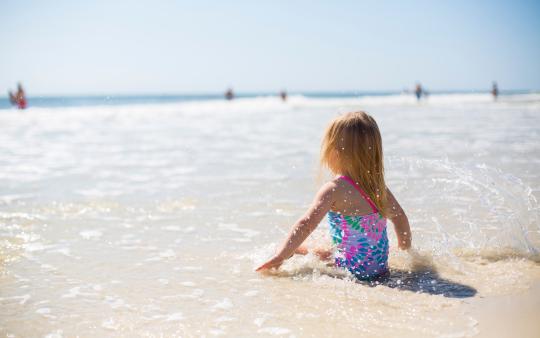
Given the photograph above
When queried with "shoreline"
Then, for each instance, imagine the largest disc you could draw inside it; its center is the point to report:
(514, 315)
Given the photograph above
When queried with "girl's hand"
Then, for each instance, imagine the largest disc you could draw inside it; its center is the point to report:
(274, 262)
(304, 226)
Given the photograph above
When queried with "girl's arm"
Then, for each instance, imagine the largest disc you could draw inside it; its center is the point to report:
(401, 222)
(304, 226)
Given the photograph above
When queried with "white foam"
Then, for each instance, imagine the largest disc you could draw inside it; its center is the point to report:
(36, 246)
(91, 234)
(167, 254)
(235, 228)
(189, 268)
(110, 324)
(224, 304)
(23, 298)
(195, 294)
(275, 331)
(224, 319)
(259, 321)
(63, 251)
(162, 255)
(48, 267)
(171, 228)
(43, 311)
(114, 302)
(55, 334)
(75, 292)
(177, 316)
(251, 293)
(216, 332)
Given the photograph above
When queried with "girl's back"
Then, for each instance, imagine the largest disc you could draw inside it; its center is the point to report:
(358, 231)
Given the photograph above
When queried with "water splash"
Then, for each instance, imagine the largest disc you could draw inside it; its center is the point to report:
(475, 208)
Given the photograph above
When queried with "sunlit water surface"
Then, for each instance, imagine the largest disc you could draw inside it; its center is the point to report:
(148, 220)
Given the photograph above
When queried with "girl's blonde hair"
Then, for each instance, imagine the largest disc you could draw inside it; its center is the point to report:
(352, 146)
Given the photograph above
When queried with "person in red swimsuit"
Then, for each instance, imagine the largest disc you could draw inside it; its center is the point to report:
(18, 99)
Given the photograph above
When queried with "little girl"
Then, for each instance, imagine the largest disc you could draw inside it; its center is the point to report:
(357, 202)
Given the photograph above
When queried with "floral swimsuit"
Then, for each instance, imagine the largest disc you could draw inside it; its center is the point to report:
(361, 241)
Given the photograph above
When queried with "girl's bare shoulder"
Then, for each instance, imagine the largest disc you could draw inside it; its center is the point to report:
(337, 186)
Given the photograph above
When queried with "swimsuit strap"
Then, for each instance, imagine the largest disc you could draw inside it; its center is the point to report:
(364, 195)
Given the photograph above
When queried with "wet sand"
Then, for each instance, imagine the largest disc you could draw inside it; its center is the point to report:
(148, 220)
(509, 316)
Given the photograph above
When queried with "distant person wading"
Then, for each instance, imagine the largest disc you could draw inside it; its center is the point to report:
(418, 91)
(495, 90)
(19, 98)
(229, 94)
(283, 95)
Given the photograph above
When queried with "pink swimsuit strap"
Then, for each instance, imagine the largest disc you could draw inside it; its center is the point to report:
(364, 195)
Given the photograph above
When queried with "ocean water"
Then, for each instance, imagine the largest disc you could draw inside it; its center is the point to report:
(147, 217)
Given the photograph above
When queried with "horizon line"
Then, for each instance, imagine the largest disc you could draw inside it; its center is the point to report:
(269, 93)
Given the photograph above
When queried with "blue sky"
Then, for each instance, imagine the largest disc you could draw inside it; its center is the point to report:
(121, 47)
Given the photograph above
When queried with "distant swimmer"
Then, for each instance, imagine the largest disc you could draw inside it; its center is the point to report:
(19, 98)
(495, 90)
(229, 94)
(283, 95)
(418, 91)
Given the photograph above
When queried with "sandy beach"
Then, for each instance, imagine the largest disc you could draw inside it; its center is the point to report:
(149, 219)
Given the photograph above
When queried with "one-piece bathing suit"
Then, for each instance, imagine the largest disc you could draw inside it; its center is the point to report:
(361, 241)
